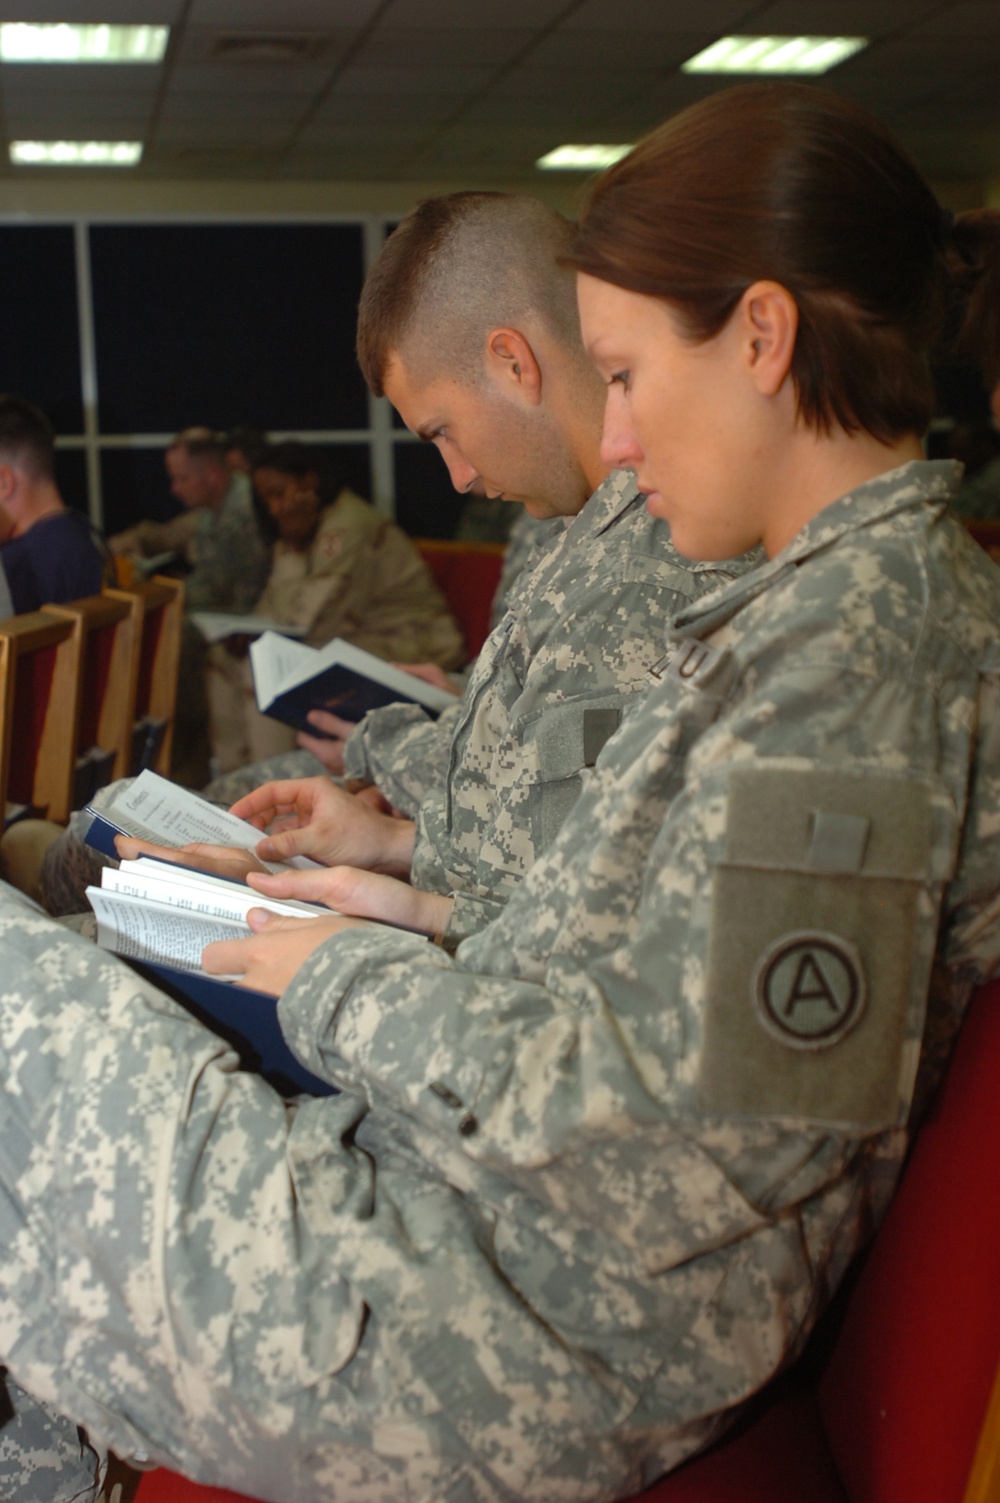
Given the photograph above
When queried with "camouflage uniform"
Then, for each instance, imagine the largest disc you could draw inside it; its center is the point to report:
(229, 557)
(590, 1181)
(550, 686)
(978, 499)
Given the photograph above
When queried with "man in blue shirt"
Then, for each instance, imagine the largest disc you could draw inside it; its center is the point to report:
(48, 552)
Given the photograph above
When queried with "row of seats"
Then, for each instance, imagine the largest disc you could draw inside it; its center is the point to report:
(87, 694)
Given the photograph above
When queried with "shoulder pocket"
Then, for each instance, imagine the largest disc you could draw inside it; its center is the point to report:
(823, 925)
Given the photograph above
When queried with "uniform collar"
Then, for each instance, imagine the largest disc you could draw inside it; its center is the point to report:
(615, 495)
(911, 485)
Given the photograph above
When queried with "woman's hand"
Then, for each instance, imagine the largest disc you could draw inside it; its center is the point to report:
(313, 817)
(221, 860)
(364, 894)
(274, 953)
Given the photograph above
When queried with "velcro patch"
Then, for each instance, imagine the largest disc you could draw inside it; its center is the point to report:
(820, 943)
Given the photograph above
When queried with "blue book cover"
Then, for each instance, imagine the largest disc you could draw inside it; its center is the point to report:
(246, 1019)
(291, 679)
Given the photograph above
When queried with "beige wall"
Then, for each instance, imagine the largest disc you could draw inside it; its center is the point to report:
(29, 198)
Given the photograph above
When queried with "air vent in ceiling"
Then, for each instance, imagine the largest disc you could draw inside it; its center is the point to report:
(267, 47)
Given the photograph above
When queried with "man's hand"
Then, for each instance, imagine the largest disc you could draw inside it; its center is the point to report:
(327, 748)
(278, 948)
(431, 673)
(364, 894)
(313, 817)
(221, 860)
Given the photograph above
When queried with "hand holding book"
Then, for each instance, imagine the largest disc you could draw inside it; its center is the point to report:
(278, 948)
(361, 894)
(313, 817)
(222, 860)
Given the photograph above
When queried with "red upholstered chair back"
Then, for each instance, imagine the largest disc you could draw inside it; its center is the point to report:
(904, 1394)
(467, 575)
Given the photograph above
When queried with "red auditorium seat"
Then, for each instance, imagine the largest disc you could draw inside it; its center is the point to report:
(467, 575)
(902, 1410)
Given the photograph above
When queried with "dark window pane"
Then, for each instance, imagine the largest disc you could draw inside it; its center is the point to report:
(40, 345)
(427, 504)
(134, 485)
(227, 324)
(71, 477)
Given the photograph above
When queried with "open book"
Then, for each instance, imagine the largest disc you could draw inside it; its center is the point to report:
(160, 917)
(157, 810)
(215, 626)
(153, 910)
(290, 679)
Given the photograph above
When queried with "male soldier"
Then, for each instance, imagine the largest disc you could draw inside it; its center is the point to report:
(218, 528)
(468, 324)
(48, 553)
(219, 533)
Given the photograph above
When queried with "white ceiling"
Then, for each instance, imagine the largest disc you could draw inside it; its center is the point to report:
(472, 91)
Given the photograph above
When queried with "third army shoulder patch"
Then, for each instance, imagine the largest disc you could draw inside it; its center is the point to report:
(821, 938)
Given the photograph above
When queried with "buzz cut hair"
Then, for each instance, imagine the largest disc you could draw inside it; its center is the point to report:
(456, 267)
(27, 440)
(201, 445)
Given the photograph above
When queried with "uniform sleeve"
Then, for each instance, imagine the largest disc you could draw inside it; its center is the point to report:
(403, 752)
(231, 565)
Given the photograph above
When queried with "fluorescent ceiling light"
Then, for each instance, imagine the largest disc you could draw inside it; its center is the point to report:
(24, 43)
(75, 153)
(774, 54)
(581, 158)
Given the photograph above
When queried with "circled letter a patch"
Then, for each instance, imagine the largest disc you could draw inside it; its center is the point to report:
(809, 989)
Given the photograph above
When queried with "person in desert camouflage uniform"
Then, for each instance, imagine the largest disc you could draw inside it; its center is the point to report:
(590, 1181)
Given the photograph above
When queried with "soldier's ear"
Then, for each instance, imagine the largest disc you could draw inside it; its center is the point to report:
(512, 365)
(8, 482)
(769, 322)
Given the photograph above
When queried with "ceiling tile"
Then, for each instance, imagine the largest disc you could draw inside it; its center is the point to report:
(404, 110)
(266, 15)
(442, 47)
(90, 12)
(207, 78)
(617, 49)
(844, 18)
(364, 80)
(716, 16)
(969, 18)
(481, 14)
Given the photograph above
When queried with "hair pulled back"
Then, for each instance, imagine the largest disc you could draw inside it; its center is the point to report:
(794, 184)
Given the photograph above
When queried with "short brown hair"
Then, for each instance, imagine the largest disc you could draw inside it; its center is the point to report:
(797, 185)
(26, 437)
(457, 266)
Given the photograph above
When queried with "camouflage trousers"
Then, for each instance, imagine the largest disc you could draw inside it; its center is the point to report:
(162, 1285)
(42, 1455)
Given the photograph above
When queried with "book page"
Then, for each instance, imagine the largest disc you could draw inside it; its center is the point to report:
(198, 892)
(273, 660)
(215, 626)
(141, 930)
(156, 810)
